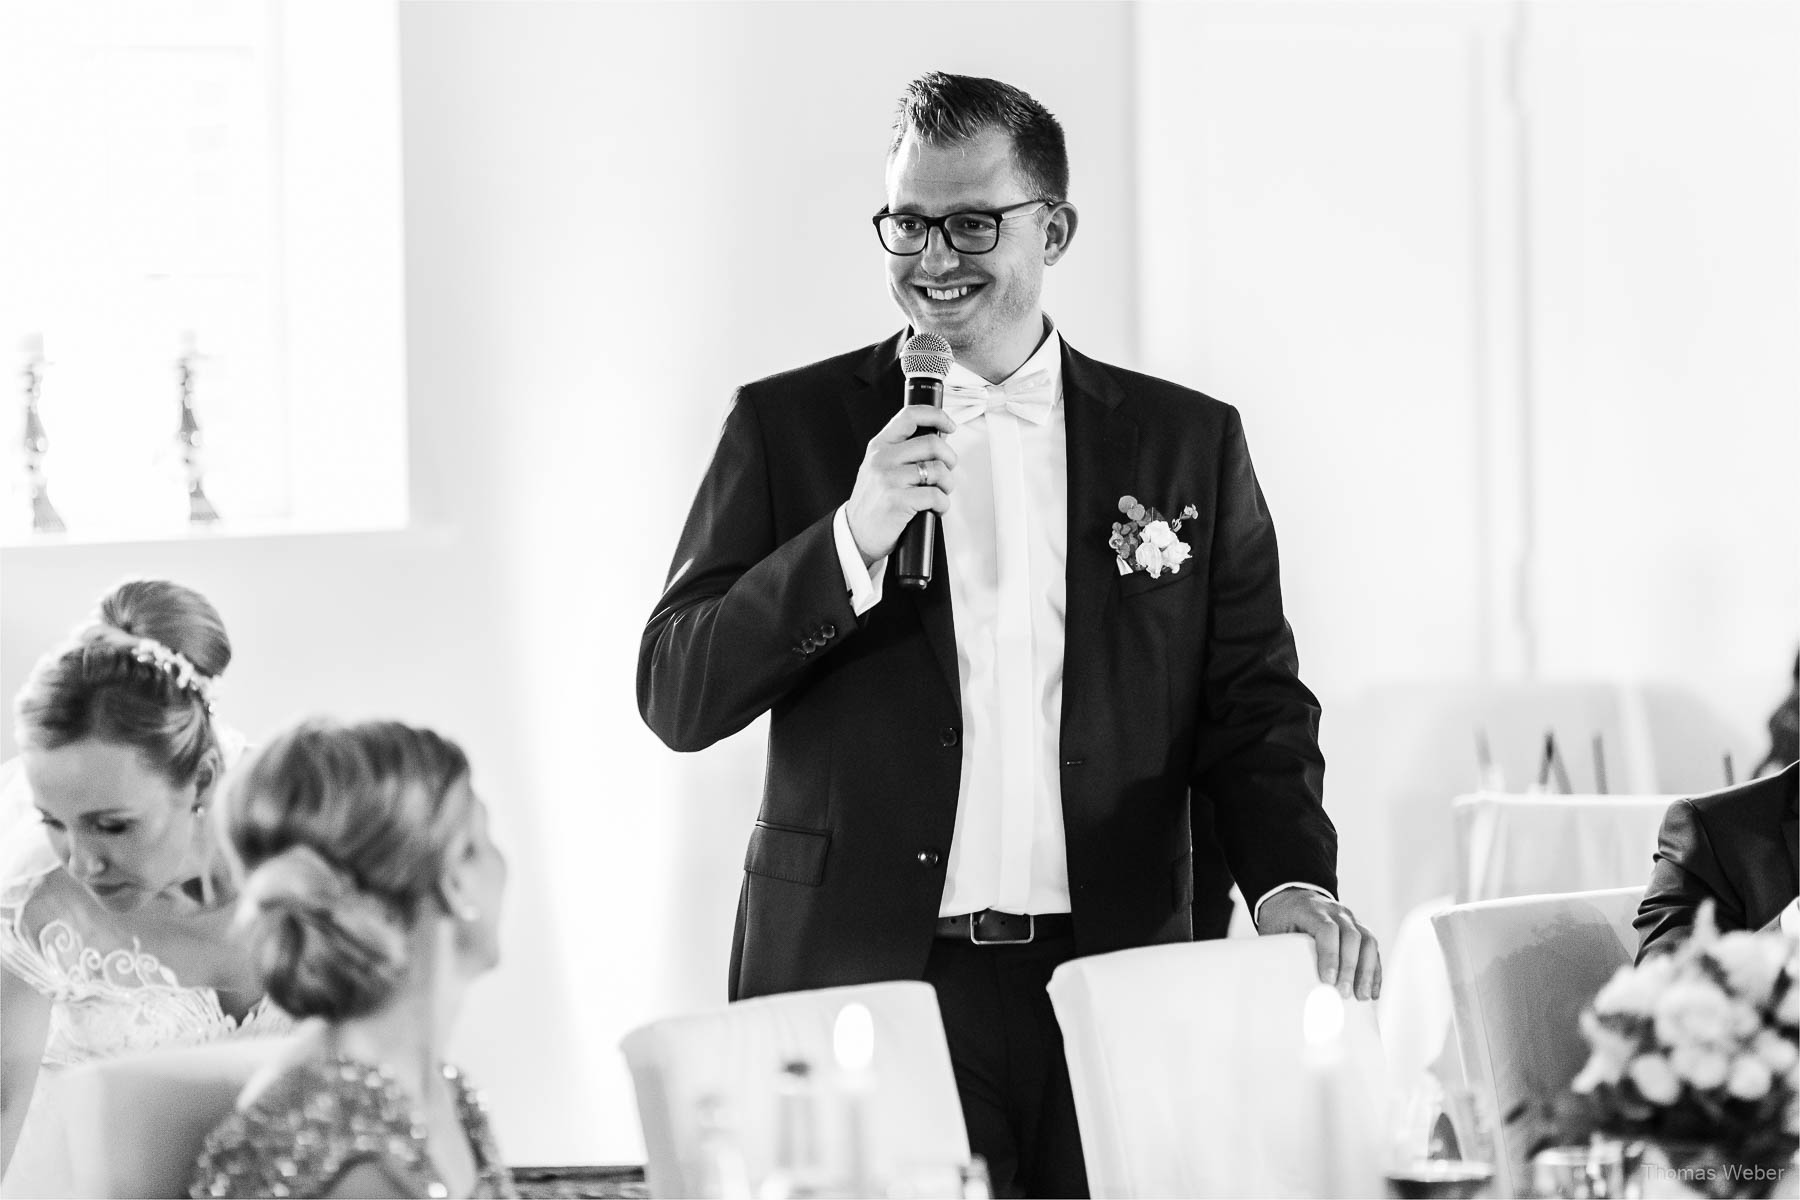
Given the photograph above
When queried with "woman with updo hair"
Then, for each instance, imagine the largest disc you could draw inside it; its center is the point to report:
(115, 903)
(370, 899)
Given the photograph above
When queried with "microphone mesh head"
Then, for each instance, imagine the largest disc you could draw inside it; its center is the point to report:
(926, 354)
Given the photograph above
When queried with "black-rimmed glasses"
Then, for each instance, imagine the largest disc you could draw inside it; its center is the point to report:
(971, 232)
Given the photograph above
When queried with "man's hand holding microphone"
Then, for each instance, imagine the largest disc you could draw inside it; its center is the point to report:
(908, 470)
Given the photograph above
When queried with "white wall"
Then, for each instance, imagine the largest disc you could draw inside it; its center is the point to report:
(1506, 293)
(1665, 366)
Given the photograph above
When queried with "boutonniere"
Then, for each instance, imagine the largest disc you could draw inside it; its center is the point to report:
(1145, 540)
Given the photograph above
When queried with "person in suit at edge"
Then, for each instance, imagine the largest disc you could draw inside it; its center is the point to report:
(973, 783)
(1735, 847)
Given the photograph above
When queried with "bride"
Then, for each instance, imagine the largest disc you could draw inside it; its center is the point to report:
(115, 917)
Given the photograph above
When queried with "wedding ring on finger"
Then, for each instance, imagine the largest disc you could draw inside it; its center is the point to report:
(924, 475)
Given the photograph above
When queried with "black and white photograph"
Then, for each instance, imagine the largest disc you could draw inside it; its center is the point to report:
(775, 599)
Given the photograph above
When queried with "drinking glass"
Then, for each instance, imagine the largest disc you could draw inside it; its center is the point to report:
(941, 1181)
(1442, 1144)
(1593, 1172)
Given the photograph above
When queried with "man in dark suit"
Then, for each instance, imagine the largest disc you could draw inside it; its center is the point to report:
(973, 783)
(1734, 847)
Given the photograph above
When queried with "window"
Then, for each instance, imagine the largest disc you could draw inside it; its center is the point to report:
(214, 183)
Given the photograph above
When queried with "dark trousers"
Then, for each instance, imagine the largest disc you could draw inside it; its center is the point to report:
(1007, 1051)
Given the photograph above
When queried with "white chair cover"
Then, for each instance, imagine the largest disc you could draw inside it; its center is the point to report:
(1533, 845)
(1521, 971)
(1190, 1075)
(1415, 1005)
(735, 1052)
(130, 1126)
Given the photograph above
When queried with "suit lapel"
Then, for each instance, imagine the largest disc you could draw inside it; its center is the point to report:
(869, 409)
(1102, 454)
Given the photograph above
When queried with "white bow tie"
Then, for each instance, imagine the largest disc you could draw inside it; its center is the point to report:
(1029, 397)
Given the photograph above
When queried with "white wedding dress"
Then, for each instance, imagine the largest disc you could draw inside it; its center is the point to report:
(106, 999)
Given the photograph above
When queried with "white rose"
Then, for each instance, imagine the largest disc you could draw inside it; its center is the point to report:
(1149, 558)
(1750, 1078)
(1746, 1019)
(1611, 1049)
(1694, 1011)
(1788, 1011)
(1659, 968)
(1173, 556)
(1777, 1053)
(1597, 1071)
(1654, 1079)
(1630, 990)
(1701, 1066)
(1158, 534)
(1752, 962)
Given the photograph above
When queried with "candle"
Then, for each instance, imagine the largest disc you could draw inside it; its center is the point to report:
(1322, 1027)
(853, 1046)
(1489, 777)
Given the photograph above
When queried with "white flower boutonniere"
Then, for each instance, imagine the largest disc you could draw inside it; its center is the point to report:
(1145, 541)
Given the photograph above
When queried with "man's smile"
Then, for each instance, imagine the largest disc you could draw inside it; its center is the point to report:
(947, 295)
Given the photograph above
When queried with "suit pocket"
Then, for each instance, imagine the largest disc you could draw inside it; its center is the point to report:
(793, 855)
(1139, 582)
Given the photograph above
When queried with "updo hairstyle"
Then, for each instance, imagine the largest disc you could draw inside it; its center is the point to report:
(96, 686)
(342, 834)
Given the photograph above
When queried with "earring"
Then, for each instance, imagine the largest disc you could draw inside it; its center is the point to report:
(468, 914)
(199, 807)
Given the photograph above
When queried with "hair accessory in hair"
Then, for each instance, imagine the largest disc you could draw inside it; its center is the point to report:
(176, 664)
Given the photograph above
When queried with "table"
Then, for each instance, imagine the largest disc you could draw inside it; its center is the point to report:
(582, 1182)
(1510, 844)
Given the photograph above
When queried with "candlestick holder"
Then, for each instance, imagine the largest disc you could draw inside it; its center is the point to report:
(188, 437)
(44, 517)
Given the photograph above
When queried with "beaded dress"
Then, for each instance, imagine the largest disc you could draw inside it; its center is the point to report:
(327, 1116)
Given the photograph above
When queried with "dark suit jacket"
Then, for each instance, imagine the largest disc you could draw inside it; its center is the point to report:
(1735, 848)
(1187, 682)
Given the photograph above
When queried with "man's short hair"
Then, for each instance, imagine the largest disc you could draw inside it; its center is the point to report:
(942, 108)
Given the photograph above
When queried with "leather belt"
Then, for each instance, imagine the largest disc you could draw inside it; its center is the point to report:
(990, 927)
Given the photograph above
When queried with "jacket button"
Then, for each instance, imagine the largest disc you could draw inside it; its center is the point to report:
(929, 858)
(828, 632)
(947, 735)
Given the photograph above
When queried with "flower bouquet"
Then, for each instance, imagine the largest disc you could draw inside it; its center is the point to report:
(1693, 1051)
(1145, 540)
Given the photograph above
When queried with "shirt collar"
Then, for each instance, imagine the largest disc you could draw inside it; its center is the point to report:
(1047, 357)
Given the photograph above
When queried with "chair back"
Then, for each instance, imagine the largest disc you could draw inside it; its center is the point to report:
(735, 1053)
(1191, 1076)
(131, 1126)
(1521, 971)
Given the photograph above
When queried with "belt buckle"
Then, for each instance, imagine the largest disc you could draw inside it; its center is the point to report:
(1030, 932)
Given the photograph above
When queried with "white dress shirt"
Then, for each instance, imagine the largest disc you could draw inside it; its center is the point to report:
(1005, 541)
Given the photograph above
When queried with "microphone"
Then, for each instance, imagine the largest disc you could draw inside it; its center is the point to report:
(925, 359)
